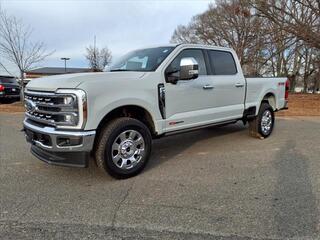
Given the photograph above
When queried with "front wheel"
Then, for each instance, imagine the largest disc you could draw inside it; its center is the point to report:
(263, 123)
(123, 147)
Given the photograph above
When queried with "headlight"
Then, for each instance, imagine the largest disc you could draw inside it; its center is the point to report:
(71, 119)
(68, 100)
(73, 110)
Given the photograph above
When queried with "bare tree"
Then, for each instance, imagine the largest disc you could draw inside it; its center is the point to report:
(98, 58)
(229, 23)
(16, 46)
(298, 17)
(185, 34)
(271, 37)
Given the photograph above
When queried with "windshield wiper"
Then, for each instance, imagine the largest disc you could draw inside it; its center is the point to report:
(119, 70)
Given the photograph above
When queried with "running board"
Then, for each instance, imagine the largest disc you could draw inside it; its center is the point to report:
(200, 127)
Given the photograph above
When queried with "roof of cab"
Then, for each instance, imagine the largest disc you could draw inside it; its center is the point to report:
(192, 45)
(186, 45)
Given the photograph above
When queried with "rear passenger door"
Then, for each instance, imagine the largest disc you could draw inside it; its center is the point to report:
(229, 85)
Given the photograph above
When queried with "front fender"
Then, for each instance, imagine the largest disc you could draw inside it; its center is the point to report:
(101, 110)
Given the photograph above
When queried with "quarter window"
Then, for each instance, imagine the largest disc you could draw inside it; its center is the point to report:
(222, 62)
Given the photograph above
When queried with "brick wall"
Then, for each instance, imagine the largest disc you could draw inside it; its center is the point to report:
(303, 105)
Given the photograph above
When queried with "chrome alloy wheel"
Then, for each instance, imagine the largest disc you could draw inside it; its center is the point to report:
(128, 149)
(266, 122)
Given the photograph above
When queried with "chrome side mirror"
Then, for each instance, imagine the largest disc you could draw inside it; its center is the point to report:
(189, 68)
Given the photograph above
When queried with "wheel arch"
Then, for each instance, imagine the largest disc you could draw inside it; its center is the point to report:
(133, 111)
(270, 98)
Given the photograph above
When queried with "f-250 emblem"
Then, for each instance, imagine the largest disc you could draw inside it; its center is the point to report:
(30, 106)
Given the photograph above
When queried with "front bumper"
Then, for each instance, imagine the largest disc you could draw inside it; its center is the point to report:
(47, 145)
(9, 96)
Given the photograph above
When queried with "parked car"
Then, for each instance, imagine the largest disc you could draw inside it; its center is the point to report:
(9, 88)
(149, 93)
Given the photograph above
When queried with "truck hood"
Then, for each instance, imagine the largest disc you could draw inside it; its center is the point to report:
(53, 83)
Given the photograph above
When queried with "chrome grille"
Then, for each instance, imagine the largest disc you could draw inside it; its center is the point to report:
(51, 108)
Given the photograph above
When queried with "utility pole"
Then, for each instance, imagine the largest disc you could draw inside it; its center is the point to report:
(65, 63)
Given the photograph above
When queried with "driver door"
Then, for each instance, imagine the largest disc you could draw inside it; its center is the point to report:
(188, 102)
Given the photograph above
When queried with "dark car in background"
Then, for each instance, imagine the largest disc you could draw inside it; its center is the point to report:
(9, 88)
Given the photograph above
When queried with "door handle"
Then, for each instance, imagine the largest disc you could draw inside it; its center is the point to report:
(238, 85)
(205, 87)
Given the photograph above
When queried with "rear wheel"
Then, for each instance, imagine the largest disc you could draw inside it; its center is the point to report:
(263, 123)
(123, 147)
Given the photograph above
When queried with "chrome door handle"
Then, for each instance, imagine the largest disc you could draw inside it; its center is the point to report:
(238, 85)
(205, 87)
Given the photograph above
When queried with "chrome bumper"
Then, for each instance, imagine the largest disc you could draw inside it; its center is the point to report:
(44, 145)
(85, 146)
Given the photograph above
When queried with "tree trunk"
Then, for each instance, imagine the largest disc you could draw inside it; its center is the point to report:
(305, 84)
(316, 86)
(21, 86)
(292, 80)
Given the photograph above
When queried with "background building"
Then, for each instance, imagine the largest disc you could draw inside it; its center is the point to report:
(49, 71)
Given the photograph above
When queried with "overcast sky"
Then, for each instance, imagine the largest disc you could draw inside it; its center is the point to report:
(69, 26)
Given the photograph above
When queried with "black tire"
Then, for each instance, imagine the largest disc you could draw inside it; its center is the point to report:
(255, 126)
(107, 137)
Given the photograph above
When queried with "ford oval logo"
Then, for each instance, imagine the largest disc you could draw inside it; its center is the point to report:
(30, 106)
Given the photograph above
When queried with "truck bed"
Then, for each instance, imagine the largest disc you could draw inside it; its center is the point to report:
(256, 87)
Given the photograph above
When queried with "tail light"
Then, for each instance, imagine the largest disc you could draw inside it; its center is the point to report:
(1, 88)
(286, 95)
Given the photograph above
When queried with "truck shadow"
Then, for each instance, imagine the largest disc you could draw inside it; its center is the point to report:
(295, 208)
(166, 148)
(169, 147)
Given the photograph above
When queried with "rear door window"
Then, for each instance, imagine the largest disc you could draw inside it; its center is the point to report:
(222, 62)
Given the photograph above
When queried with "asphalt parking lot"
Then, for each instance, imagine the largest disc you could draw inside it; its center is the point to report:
(215, 183)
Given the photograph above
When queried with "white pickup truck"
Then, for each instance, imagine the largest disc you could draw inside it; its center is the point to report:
(149, 93)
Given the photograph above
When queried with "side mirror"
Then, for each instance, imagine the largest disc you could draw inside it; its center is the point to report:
(189, 68)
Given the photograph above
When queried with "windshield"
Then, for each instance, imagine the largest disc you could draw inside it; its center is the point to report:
(142, 60)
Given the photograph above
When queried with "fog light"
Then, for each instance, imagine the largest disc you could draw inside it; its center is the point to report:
(69, 141)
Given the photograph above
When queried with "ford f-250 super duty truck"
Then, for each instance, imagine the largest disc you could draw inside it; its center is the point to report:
(152, 92)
